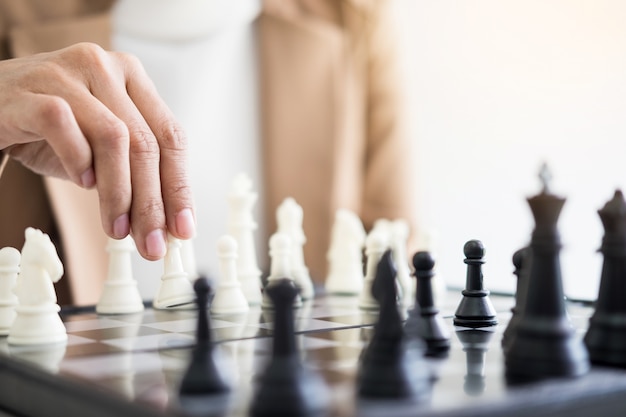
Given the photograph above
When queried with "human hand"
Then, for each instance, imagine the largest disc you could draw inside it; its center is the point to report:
(95, 118)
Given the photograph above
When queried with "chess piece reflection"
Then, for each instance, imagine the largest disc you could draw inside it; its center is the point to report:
(46, 357)
(475, 345)
(122, 380)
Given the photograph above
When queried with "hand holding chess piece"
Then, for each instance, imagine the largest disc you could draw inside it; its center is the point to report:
(95, 118)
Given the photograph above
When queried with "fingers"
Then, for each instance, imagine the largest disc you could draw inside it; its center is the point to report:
(109, 139)
(161, 198)
(96, 118)
(38, 116)
(177, 195)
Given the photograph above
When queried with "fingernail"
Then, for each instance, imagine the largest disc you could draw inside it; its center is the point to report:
(121, 226)
(155, 243)
(185, 223)
(88, 179)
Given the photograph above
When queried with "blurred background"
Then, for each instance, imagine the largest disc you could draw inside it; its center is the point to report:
(494, 89)
(497, 88)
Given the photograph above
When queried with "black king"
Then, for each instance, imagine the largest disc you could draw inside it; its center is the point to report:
(545, 344)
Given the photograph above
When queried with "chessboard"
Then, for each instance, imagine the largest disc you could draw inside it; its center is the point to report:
(132, 365)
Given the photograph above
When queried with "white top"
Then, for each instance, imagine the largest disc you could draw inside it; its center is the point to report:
(201, 56)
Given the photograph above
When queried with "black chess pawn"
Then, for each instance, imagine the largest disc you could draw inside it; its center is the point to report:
(545, 344)
(203, 376)
(425, 319)
(390, 367)
(286, 387)
(475, 345)
(521, 262)
(606, 336)
(475, 308)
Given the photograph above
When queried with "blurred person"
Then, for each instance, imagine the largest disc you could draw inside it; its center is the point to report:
(307, 93)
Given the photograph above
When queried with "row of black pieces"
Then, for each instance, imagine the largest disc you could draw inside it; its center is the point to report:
(539, 327)
(391, 366)
(284, 388)
(474, 311)
(540, 341)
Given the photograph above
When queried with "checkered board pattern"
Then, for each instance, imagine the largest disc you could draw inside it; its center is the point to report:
(138, 361)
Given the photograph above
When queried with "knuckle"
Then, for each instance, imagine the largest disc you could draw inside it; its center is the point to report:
(150, 211)
(115, 135)
(143, 142)
(93, 62)
(113, 199)
(172, 136)
(178, 189)
(55, 112)
(87, 52)
(131, 64)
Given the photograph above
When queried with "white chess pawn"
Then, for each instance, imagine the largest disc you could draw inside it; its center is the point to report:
(229, 298)
(280, 268)
(345, 255)
(120, 294)
(175, 289)
(9, 268)
(289, 216)
(241, 226)
(37, 321)
(376, 244)
(188, 257)
(399, 235)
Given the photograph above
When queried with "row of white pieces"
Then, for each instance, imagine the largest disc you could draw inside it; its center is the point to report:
(241, 225)
(120, 294)
(345, 258)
